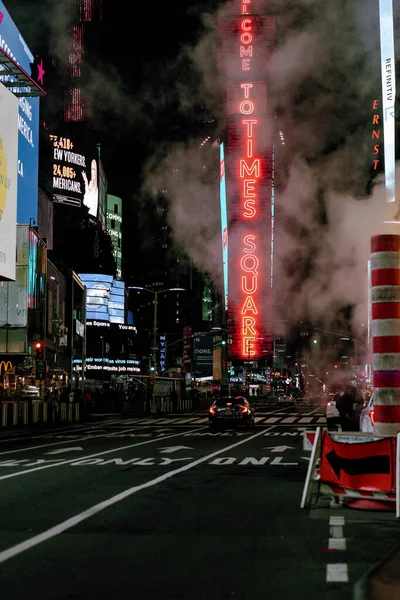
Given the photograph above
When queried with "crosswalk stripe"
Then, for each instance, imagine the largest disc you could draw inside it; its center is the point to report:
(258, 419)
(306, 420)
(273, 420)
(322, 420)
(289, 420)
(201, 420)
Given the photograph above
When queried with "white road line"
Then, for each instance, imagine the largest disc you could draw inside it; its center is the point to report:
(321, 420)
(337, 544)
(335, 573)
(198, 421)
(93, 510)
(289, 420)
(273, 419)
(67, 462)
(77, 428)
(336, 531)
(313, 411)
(306, 420)
(336, 521)
(69, 441)
(258, 419)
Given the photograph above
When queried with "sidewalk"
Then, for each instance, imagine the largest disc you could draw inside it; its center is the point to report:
(382, 582)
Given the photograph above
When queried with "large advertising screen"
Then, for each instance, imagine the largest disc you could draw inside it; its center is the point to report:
(246, 38)
(8, 182)
(26, 122)
(74, 172)
(105, 298)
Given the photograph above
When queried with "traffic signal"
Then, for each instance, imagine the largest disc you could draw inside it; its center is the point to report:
(39, 349)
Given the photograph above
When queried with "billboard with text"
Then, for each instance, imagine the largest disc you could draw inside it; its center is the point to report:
(26, 122)
(8, 182)
(105, 298)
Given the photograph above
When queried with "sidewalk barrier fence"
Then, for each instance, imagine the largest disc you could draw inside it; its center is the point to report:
(9, 413)
(24, 411)
(354, 467)
(45, 412)
(35, 410)
(77, 411)
(70, 412)
(63, 411)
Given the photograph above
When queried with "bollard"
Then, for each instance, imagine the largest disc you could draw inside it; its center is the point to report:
(385, 309)
(76, 411)
(25, 412)
(15, 413)
(162, 407)
(35, 411)
(63, 415)
(70, 412)
(45, 412)
(4, 414)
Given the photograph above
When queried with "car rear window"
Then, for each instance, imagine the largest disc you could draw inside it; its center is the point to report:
(233, 401)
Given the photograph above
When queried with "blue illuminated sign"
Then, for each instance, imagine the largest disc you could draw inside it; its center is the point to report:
(105, 298)
(224, 221)
(15, 46)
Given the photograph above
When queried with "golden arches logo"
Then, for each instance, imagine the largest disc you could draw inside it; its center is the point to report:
(4, 366)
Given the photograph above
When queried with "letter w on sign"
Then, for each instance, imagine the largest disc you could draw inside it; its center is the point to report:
(365, 466)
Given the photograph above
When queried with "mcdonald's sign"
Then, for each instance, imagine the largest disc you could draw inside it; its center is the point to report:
(4, 366)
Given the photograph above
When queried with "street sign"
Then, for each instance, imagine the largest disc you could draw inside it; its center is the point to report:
(41, 368)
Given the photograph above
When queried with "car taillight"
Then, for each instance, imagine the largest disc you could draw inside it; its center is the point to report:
(243, 409)
(331, 404)
(371, 416)
(212, 410)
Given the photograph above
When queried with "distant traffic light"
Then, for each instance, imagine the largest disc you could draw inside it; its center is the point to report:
(39, 349)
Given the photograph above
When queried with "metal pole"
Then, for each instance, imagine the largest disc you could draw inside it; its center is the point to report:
(155, 330)
(102, 359)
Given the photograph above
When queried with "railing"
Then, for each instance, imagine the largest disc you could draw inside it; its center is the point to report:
(35, 411)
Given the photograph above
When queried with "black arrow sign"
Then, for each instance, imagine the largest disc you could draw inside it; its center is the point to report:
(377, 465)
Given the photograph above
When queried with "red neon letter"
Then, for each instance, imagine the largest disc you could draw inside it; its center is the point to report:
(246, 51)
(253, 169)
(375, 104)
(248, 188)
(376, 134)
(248, 325)
(247, 346)
(249, 208)
(246, 25)
(376, 149)
(249, 242)
(249, 123)
(249, 263)
(253, 288)
(246, 87)
(249, 306)
(375, 119)
(376, 163)
(246, 64)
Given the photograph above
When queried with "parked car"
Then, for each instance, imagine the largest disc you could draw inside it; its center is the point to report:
(230, 411)
(367, 417)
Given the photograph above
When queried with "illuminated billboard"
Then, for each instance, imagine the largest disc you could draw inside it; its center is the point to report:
(114, 229)
(8, 182)
(388, 65)
(224, 221)
(246, 37)
(74, 173)
(26, 122)
(105, 298)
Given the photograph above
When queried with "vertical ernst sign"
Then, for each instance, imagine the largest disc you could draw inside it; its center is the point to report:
(246, 37)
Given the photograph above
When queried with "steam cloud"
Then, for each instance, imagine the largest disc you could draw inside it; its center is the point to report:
(323, 78)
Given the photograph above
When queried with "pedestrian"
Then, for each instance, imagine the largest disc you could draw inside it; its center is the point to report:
(346, 402)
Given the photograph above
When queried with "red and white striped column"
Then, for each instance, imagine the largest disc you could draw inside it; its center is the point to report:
(385, 308)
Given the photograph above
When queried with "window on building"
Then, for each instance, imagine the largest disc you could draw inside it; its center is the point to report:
(112, 223)
(119, 243)
(116, 208)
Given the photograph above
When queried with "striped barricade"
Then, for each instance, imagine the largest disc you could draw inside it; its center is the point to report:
(351, 467)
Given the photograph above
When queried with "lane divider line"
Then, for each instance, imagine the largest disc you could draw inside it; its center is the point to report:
(122, 448)
(93, 510)
(337, 573)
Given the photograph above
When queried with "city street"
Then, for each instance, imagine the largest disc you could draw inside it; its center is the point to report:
(159, 507)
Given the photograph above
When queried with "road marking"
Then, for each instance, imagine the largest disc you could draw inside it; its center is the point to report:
(273, 419)
(93, 510)
(80, 439)
(336, 531)
(337, 544)
(313, 411)
(336, 521)
(62, 450)
(337, 573)
(171, 449)
(321, 420)
(258, 419)
(279, 448)
(67, 462)
(198, 421)
(306, 420)
(289, 420)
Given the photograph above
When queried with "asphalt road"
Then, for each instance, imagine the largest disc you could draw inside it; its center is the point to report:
(162, 508)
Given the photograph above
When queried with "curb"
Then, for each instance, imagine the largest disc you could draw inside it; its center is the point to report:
(378, 585)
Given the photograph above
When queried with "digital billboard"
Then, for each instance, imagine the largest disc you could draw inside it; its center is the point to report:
(74, 172)
(26, 122)
(224, 221)
(246, 40)
(388, 76)
(8, 182)
(105, 298)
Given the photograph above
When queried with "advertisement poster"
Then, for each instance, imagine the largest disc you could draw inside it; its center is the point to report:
(74, 173)
(26, 122)
(8, 182)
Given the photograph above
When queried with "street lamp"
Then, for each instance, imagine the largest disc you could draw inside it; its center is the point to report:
(155, 292)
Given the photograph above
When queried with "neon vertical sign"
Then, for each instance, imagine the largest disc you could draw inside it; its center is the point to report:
(224, 221)
(245, 43)
(388, 94)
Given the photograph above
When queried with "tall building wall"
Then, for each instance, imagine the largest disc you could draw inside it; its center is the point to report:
(246, 38)
(114, 229)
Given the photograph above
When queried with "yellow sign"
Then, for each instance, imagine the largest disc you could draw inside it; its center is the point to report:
(5, 365)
